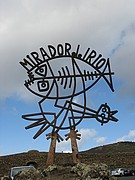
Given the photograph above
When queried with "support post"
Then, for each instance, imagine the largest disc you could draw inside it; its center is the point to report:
(51, 153)
(73, 136)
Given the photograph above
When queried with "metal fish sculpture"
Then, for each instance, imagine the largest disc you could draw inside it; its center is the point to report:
(60, 75)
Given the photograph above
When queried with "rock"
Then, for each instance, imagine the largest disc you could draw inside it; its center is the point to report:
(32, 174)
(51, 168)
(92, 172)
(5, 178)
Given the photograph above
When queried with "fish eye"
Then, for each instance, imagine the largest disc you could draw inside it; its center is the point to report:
(104, 109)
(41, 70)
(43, 85)
(103, 115)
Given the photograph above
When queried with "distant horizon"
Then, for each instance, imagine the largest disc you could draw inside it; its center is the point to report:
(67, 152)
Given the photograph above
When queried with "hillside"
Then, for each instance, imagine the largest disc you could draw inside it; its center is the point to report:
(120, 154)
(120, 147)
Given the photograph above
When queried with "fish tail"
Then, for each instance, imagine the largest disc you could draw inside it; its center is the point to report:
(107, 74)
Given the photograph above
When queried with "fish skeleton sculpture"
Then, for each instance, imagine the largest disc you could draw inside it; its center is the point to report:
(60, 75)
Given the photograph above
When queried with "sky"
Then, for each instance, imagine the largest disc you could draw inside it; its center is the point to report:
(107, 26)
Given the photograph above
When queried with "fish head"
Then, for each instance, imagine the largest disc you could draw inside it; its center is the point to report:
(38, 81)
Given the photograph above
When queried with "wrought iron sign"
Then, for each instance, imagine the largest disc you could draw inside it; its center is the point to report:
(59, 75)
